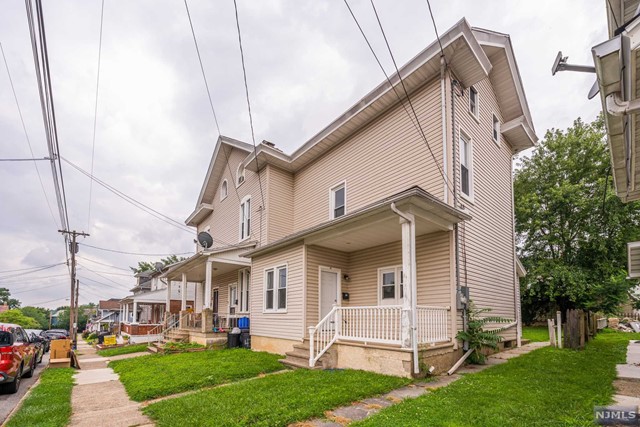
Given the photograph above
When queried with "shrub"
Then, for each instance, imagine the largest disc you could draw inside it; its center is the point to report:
(476, 335)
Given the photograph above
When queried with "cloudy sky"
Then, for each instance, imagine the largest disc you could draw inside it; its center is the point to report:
(306, 64)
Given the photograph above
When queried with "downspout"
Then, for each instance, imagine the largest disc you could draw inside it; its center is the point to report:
(443, 114)
(516, 289)
(414, 292)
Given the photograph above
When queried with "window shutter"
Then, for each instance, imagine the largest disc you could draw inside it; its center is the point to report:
(634, 259)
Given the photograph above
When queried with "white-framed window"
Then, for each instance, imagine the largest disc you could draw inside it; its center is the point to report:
(244, 278)
(224, 190)
(390, 285)
(245, 218)
(275, 289)
(496, 130)
(473, 102)
(466, 166)
(338, 202)
(233, 298)
(240, 175)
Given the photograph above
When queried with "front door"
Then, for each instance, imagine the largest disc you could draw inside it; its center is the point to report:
(329, 288)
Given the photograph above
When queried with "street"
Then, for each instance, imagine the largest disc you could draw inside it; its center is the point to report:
(9, 401)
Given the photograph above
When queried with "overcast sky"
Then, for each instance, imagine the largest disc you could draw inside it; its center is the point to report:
(306, 64)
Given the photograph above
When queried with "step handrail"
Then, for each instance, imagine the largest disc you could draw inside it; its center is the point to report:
(325, 337)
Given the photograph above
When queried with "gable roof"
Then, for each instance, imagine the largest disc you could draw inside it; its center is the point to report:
(470, 52)
(223, 149)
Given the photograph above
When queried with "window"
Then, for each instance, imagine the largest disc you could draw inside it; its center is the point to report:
(466, 169)
(275, 294)
(224, 190)
(245, 218)
(244, 280)
(496, 130)
(391, 286)
(338, 201)
(240, 175)
(233, 298)
(473, 101)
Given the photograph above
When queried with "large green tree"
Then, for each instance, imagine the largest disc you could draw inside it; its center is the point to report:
(572, 229)
(151, 266)
(41, 315)
(16, 316)
(5, 298)
(83, 317)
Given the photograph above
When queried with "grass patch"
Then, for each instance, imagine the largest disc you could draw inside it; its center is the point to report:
(276, 400)
(49, 403)
(182, 346)
(549, 387)
(536, 333)
(152, 376)
(127, 349)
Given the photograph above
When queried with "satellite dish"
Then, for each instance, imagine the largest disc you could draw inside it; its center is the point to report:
(159, 266)
(594, 90)
(557, 63)
(205, 239)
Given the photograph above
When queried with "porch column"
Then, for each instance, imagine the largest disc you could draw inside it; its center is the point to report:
(207, 286)
(409, 279)
(167, 307)
(183, 292)
(135, 311)
(126, 312)
(199, 297)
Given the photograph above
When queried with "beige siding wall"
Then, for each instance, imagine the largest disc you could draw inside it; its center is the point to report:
(321, 257)
(222, 282)
(382, 159)
(279, 204)
(287, 325)
(487, 241)
(224, 221)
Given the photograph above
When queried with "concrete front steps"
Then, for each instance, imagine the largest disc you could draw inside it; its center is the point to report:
(299, 358)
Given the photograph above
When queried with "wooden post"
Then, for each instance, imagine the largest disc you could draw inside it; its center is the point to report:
(552, 333)
(581, 327)
(559, 326)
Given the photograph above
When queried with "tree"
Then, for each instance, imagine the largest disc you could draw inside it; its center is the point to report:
(16, 316)
(41, 315)
(5, 298)
(149, 266)
(571, 228)
(83, 317)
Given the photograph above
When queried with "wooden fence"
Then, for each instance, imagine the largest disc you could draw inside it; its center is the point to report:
(580, 327)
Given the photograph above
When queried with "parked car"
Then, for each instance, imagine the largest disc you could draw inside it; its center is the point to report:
(41, 336)
(18, 356)
(55, 335)
(39, 342)
(61, 331)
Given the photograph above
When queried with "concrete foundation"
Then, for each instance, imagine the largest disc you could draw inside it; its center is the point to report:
(272, 345)
(383, 360)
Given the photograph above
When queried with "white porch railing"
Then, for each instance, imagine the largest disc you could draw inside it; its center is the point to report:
(433, 324)
(376, 324)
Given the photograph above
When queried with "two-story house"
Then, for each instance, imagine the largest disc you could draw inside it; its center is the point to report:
(362, 248)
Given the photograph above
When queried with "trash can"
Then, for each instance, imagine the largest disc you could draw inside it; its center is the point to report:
(233, 338)
(245, 339)
(243, 323)
(101, 336)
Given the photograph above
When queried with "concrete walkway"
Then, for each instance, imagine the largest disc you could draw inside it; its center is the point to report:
(628, 382)
(365, 408)
(98, 398)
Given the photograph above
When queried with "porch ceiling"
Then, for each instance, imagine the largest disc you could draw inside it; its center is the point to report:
(224, 261)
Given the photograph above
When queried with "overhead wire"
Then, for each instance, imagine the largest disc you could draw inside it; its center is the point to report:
(30, 272)
(29, 268)
(133, 253)
(104, 264)
(95, 115)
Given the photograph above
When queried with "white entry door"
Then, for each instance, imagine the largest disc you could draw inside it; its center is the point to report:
(329, 288)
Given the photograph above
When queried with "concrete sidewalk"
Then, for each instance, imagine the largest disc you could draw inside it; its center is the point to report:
(628, 382)
(98, 398)
(365, 408)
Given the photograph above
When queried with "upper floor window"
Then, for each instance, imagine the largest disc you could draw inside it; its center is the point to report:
(245, 218)
(224, 190)
(466, 166)
(275, 289)
(473, 101)
(240, 175)
(496, 130)
(338, 200)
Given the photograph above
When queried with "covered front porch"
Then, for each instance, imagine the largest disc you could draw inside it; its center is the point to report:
(220, 280)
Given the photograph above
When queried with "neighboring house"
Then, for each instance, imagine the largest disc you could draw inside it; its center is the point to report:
(144, 313)
(55, 316)
(107, 315)
(354, 251)
(3, 308)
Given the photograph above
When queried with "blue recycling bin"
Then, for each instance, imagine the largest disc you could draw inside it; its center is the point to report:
(243, 323)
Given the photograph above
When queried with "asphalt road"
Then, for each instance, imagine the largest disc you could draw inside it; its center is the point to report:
(9, 401)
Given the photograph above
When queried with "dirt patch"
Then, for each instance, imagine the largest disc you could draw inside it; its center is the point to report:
(627, 387)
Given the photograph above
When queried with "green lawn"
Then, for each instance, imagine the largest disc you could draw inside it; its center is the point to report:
(547, 387)
(127, 349)
(535, 333)
(276, 400)
(152, 376)
(49, 403)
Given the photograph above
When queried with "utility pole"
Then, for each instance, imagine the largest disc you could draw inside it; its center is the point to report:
(73, 248)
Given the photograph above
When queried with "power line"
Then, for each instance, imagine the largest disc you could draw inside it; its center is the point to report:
(33, 159)
(104, 264)
(121, 288)
(246, 90)
(32, 271)
(95, 116)
(26, 134)
(105, 278)
(133, 253)
(31, 280)
(30, 268)
(48, 285)
(435, 28)
(130, 275)
(46, 302)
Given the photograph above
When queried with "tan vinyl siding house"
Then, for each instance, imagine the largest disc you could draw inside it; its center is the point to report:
(367, 223)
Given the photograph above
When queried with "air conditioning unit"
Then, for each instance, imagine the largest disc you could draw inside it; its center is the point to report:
(633, 248)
